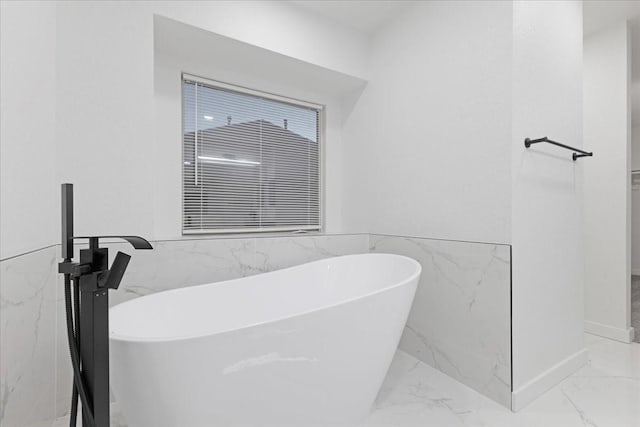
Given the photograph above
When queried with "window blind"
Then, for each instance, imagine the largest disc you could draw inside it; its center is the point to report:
(251, 161)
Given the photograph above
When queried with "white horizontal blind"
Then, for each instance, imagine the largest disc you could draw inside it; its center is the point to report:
(250, 162)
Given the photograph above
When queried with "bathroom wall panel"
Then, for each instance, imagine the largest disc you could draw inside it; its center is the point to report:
(607, 193)
(547, 197)
(276, 253)
(176, 264)
(426, 147)
(180, 263)
(28, 310)
(460, 320)
(635, 197)
(28, 187)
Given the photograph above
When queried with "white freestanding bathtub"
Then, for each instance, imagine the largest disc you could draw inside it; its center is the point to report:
(304, 346)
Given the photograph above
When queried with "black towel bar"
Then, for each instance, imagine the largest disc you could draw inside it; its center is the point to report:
(528, 142)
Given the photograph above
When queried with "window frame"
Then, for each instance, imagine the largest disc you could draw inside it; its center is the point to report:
(320, 108)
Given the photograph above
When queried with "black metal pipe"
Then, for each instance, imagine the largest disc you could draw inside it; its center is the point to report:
(76, 316)
(73, 351)
(73, 325)
(528, 142)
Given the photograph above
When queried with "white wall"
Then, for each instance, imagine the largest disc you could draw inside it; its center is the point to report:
(635, 202)
(105, 95)
(635, 230)
(28, 190)
(427, 145)
(454, 89)
(276, 26)
(607, 188)
(104, 115)
(635, 147)
(547, 207)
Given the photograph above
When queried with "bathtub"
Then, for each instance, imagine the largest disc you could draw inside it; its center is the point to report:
(304, 346)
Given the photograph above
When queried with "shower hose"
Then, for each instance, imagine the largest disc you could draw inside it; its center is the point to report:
(74, 338)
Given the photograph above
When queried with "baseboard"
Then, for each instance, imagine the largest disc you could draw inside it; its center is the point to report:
(619, 334)
(545, 381)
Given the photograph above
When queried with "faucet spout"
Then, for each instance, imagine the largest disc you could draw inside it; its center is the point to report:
(136, 241)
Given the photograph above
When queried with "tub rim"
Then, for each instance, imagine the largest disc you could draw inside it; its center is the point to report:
(145, 340)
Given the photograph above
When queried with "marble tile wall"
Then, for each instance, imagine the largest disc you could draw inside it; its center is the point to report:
(36, 375)
(28, 315)
(460, 319)
(464, 286)
(174, 264)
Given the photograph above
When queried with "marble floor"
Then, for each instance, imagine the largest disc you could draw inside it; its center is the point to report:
(604, 393)
(635, 305)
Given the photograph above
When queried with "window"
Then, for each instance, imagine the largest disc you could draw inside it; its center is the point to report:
(251, 161)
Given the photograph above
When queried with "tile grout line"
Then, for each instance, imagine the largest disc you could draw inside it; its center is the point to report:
(29, 252)
(249, 237)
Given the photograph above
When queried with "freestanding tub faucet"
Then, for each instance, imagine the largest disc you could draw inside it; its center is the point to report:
(88, 315)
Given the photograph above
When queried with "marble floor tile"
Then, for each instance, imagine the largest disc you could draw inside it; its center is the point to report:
(604, 393)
